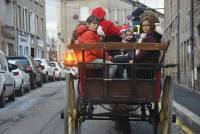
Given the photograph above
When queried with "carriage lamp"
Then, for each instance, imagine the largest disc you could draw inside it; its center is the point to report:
(70, 59)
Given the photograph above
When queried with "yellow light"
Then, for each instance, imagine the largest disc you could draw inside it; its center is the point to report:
(70, 59)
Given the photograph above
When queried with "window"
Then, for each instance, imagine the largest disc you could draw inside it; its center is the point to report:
(198, 29)
(32, 23)
(36, 25)
(19, 16)
(2, 64)
(27, 51)
(29, 21)
(26, 20)
(185, 54)
(23, 19)
(20, 50)
(43, 54)
(10, 49)
(42, 26)
(84, 13)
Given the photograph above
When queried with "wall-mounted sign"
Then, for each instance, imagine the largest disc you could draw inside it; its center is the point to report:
(75, 17)
(129, 17)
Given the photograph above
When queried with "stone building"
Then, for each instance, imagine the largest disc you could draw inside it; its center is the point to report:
(71, 12)
(23, 30)
(182, 28)
(31, 27)
(7, 28)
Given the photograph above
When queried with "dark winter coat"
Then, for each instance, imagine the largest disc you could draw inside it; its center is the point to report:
(149, 56)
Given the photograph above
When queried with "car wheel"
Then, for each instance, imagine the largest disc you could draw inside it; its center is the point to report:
(33, 83)
(21, 90)
(46, 77)
(12, 96)
(54, 77)
(2, 99)
(28, 89)
(59, 77)
(40, 82)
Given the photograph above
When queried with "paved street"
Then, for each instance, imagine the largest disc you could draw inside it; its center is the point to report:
(38, 112)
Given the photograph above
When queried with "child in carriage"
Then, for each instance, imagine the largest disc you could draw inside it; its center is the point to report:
(87, 33)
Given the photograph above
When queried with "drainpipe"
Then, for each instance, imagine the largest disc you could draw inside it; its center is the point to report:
(178, 41)
(192, 40)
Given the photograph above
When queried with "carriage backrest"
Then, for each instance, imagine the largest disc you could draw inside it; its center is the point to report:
(107, 46)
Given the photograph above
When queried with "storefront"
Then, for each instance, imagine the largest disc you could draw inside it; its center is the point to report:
(23, 44)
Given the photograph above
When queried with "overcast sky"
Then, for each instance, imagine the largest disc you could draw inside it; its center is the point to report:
(51, 16)
(154, 4)
(51, 13)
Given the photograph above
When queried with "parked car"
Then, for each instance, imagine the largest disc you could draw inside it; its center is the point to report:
(31, 67)
(47, 71)
(22, 79)
(59, 71)
(7, 83)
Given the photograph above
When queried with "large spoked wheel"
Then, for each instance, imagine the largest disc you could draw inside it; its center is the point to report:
(166, 107)
(70, 113)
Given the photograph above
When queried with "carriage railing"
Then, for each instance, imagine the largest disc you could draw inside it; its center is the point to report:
(98, 87)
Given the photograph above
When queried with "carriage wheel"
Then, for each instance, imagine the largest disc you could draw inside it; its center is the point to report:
(70, 107)
(166, 107)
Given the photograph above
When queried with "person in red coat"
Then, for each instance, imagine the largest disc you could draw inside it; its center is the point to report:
(88, 34)
(108, 27)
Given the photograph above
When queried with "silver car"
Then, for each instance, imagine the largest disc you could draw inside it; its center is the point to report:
(7, 84)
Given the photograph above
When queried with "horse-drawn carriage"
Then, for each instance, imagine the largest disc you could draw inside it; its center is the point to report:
(92, 86)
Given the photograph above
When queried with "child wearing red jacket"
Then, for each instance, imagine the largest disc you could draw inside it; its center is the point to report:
(88, 34)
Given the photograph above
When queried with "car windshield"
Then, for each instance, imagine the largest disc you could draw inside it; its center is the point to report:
(53, 64)
(38, 61)
(23, 62)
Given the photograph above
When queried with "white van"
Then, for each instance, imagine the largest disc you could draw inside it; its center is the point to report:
(7, 89)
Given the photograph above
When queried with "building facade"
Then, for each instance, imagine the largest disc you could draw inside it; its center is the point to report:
(31, 28)
(7, 28)
(182, 28)
(23, 27)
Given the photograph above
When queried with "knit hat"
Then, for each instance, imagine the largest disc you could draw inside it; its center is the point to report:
(137, 12)
(99, 12)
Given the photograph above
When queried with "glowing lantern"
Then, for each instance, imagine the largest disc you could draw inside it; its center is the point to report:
(70, 59)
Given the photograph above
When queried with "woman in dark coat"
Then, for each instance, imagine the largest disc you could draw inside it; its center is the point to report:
(148, 35)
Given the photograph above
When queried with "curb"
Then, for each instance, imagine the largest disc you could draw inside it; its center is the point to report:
(187, 117)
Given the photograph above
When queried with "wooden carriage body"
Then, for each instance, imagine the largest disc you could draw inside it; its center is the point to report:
(95, 87)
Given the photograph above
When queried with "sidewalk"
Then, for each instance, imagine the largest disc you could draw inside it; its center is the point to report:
(187, 106)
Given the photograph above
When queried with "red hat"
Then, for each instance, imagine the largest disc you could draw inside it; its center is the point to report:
(99, 12)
